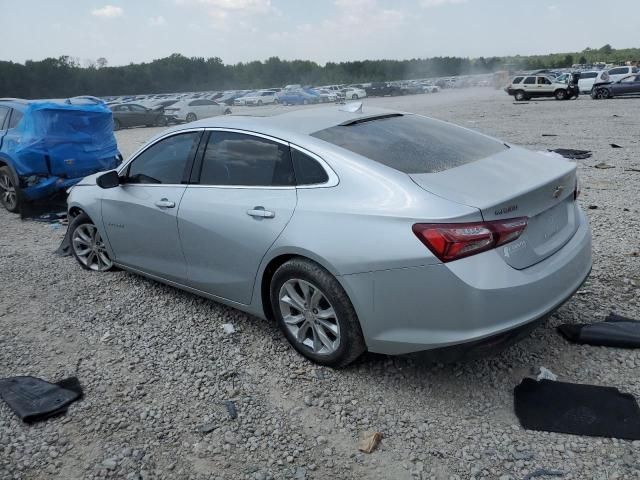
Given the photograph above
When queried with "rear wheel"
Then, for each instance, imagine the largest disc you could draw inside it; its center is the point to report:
(116, 124)
(354, 96)
(520, 96)
(561, 94)
(87, 245)
(191, 117)
(259, 103)
(315, 313)
(162, 121)
(9, 190)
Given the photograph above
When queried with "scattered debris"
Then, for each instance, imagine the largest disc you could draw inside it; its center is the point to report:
(593, 207)
(54, 218)
(613, 145)
(549, 135)
(229, 328)
(34, 399)
(546, 374)
(615, 331)
(637, 170)
(603, 166)
(207, 428)
(521, 103)
(544, 472)
(577, 409)
(572, 154)
(369, 442)
(231, 409)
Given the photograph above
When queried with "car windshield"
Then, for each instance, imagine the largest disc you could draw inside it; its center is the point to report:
(411, 143)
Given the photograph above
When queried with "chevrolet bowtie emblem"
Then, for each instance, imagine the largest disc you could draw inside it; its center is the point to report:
(558, 191)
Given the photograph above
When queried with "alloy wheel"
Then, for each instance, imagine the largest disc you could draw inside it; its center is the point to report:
(8, 192)
(90, 249)
(309, 316)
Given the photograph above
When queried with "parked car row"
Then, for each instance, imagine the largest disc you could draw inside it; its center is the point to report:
(600, 84)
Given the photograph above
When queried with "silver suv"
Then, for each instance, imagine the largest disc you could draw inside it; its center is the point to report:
(524, 87)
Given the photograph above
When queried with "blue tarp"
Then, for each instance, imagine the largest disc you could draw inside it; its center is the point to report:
(62, 142)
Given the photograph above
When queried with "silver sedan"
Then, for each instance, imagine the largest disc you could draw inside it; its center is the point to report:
(377, 230)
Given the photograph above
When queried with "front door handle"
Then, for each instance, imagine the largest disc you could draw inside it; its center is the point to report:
(260, 212)
(164, 203)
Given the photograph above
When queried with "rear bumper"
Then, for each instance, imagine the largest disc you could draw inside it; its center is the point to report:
(408, 310)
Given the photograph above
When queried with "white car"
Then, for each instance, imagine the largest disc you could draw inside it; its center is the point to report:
(192, 110)
(263, 97)
(327, 95)
(618, 73)
(353, 93)
(587, 79)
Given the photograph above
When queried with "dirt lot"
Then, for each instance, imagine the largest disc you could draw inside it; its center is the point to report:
(156, 364)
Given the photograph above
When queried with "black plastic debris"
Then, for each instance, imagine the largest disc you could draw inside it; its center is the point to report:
(549, 135)
(615, 331)
(544, 472)
(572, 153)
(590, 410)
(613, 145)
(231, 409)
(33, 399)
(593, 207)
(64, 249)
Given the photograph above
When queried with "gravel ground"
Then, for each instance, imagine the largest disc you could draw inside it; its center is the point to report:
(157, 366)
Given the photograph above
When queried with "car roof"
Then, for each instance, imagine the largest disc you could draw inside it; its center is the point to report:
(297, 122)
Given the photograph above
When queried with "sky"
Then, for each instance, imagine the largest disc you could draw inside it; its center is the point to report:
(126, 31)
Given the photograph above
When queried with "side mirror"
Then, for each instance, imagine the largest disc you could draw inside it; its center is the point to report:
(108, 180)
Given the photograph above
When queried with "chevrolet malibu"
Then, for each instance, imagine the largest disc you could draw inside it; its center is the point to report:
(377, 230)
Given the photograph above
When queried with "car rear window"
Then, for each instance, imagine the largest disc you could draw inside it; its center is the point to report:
(517, 80)
(411, 143)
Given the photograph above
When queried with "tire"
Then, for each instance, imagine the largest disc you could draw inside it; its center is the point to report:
(520, 96)
(305, 102)
(94, 255)
(117, 125)
(227, 111)
(260, 103)
(561, 94)
(601, 93)
(343, 341)
(276, 102)
(191, 117)
(9, 190)
(162, 121)
(354, 96)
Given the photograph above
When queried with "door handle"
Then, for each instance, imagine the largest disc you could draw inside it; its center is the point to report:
(260, 212)
(164, 203)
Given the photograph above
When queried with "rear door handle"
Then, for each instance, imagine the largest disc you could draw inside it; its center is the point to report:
(164, 203)
(260, 212)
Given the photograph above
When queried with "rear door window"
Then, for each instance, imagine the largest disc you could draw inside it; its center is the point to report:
(618, 71)
(239, 159)
(16, 116)
(411, 143)
(530, 81)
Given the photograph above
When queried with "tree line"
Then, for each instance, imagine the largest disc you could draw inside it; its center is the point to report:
(65, 77)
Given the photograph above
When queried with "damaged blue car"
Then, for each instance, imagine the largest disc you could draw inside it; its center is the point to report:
(47, 146)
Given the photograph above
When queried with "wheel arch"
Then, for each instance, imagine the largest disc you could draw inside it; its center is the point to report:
(263, 284)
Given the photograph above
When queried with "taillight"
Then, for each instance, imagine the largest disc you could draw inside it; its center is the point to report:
(452, 241)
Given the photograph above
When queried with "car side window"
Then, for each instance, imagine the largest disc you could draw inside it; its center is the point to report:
(239, 159)
(137, 108)
(16, 116)
(517, 80)
(530, 80)
(543, 81)
(4, 113)
(165, 161)
(617, 71)
(308, 170)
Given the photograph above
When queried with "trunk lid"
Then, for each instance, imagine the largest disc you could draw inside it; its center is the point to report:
(516, 183)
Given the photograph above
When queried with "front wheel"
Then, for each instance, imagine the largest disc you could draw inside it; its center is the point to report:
(354, 96)
(87, 245)
(162, 121)
(9, 190)
(315, 313)
(520, 96)
(191, 117)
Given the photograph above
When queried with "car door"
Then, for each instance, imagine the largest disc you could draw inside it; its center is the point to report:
(140, 115)
(544, 86)
(5, 113)
(529, 86)
(139, 216)
(244, 197)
